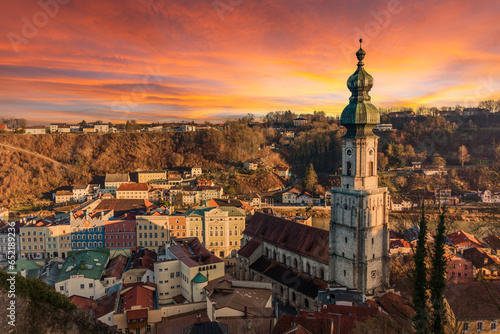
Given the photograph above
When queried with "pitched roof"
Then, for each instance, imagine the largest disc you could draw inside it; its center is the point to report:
(231, 210)
(313, 325)
(301, 239)
(96, 307)
(133, 187)
(473, 301)
(116, 266)
(191, 252)
(288, 276)
(137, 295)
(398, 243)
(207, 328)
(480, 258)
(117, 177)
(293, 191)
(83, 303)
(143, 259)
(493, 241)
(460, 236)
(106, 304)
(397, 307)
(123, 206)
(90, 264)
(249, 248)
(227, 203)
(64, 193)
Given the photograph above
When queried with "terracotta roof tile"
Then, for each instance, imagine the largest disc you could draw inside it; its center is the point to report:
(493, 241)
(461, 237)
(133, 187)
(138, 295)
(191, 252)
(249, 248)
(298, 238)
(473, 301)
(288, 276)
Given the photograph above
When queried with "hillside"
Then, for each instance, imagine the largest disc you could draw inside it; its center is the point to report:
(41, 310)
(65, 158)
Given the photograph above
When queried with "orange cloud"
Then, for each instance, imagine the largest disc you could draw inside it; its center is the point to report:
(159, 60)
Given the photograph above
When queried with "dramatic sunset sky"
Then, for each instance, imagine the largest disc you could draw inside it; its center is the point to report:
(167, 60)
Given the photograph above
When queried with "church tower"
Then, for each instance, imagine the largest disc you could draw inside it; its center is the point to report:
(359, 237)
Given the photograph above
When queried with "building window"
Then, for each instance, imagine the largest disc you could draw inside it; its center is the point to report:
(466, 327)
(480, 326)
(61, 288)
(82, 286)
(493, 325)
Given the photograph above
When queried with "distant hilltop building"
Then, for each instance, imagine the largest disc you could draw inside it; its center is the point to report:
(300, 121)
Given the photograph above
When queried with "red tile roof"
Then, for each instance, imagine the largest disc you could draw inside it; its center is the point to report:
(123, 206)
(249, 248)
(192, 253)
(493, 241)
(461, 238)
(137, 314)
(106, 305)
(312, 324)
(301, 239)
(138, 295)
(397, 307)
(480, 258)
(83, 303)
(133, 187)
(143, 259)
(116, 267)
(473, 301)
(398, 243)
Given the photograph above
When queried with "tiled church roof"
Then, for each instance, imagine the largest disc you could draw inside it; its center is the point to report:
(298, 238)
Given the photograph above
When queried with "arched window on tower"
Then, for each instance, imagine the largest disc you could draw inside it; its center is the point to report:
(372, 172)
(349, 171)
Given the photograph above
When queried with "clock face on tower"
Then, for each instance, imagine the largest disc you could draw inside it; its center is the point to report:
(348, 152)
(370, 152)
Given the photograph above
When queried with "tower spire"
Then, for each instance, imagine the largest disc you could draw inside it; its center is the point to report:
(360, 116)
(360, 54)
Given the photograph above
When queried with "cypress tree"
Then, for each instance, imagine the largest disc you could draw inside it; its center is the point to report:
(438, 279)
(421, 318)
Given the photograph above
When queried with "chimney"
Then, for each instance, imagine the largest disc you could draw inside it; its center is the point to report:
(82, 264)
(198, 318)
(246, 312)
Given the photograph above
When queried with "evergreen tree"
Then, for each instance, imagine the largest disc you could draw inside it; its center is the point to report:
(310, 178)
(421, 318)
(438, 279)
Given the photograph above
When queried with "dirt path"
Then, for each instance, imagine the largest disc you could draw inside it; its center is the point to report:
(34, 153)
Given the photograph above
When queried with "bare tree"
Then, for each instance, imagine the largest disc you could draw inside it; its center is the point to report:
(463, 155)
